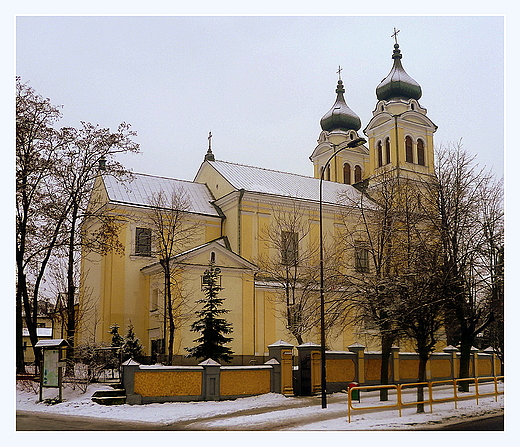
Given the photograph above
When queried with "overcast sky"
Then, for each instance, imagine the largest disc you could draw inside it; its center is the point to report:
(260, 84)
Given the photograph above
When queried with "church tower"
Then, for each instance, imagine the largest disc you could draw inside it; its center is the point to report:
(400, 135)
(339, 141)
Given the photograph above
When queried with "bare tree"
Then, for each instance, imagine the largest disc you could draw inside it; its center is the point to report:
(372, 240)
(394, 285)
(492, 262)
(87, 152)
(173, 230)
(465, 237)
(290, 266)
(39, 218)
(55, 173)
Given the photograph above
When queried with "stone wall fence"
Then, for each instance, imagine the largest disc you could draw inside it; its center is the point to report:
(209, 380)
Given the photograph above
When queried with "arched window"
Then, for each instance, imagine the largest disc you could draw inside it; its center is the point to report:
(379, 154)
(346, 174)
(420, 152)
(357, 174)
(387, 150)
(409, 149)
(327, 174)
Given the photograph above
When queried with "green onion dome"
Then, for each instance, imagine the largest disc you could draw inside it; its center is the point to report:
(340, 116)
(398, 84)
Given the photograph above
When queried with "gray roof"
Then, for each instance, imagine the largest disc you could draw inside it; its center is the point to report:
(279, 183)
(140, 190)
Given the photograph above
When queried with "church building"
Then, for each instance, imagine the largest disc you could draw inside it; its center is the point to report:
(231, 208)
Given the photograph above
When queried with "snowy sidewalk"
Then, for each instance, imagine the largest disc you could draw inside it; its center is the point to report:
(268, 412)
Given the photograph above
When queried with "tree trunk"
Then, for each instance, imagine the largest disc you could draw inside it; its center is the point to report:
(423, 360)
(386, 352)
(20, 364)
(465, 359)
(169, 310)
(71, 291)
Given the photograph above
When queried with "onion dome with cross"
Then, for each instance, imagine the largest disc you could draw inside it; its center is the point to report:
(340, 116)
(398, 84)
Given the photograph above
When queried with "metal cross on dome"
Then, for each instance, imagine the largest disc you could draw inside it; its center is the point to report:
(395, 34)
(339, 71)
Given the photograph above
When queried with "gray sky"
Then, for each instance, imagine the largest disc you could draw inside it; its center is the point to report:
(260, 84)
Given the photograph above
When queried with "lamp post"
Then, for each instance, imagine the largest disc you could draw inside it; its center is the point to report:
(335, 143)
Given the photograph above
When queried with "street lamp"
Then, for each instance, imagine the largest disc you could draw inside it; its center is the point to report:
(335, 139)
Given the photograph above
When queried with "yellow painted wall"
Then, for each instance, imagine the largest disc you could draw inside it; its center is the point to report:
(408, 368)
(372, 369)
(439, 367)
(244, 382)
(168, 383)
(341, 370)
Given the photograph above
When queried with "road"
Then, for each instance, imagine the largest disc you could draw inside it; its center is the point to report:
(36, 421)
(495, 423)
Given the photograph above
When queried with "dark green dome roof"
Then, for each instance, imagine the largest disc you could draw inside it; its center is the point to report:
(340, 116)
(398, 84)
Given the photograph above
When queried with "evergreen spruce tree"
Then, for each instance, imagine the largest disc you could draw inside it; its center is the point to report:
(132, 347)
(209, 324)
(117, 339)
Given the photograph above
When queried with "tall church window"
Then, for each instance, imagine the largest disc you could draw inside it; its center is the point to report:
(420, 152)
(387, 150)
(327, 174)
(379, 154)
(409, 150)
(346, 174)
(143, 241)
(361, 262)
(357, 174)
(289, 248)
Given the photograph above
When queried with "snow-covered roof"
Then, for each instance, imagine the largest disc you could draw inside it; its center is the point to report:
(266, 181)
(140, 190)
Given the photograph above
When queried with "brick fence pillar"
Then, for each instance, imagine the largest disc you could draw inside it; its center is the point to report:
(309, 361)
(453, 360)
(210, 380)
(283, 353)
(129, 369)
(474, 351)
(395, 364)
(359, 350)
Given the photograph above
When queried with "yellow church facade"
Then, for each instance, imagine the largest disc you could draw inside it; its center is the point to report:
(231, 208)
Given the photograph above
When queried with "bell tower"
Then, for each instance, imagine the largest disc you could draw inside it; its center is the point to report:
(400, 134)
(340, 140)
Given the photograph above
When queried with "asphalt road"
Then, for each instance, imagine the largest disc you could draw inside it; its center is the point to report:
(495, 423)
(36, 421)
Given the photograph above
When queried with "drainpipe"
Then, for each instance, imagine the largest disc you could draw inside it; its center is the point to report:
(239, 218)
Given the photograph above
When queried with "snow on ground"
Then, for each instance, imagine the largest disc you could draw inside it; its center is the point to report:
(275, 409)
